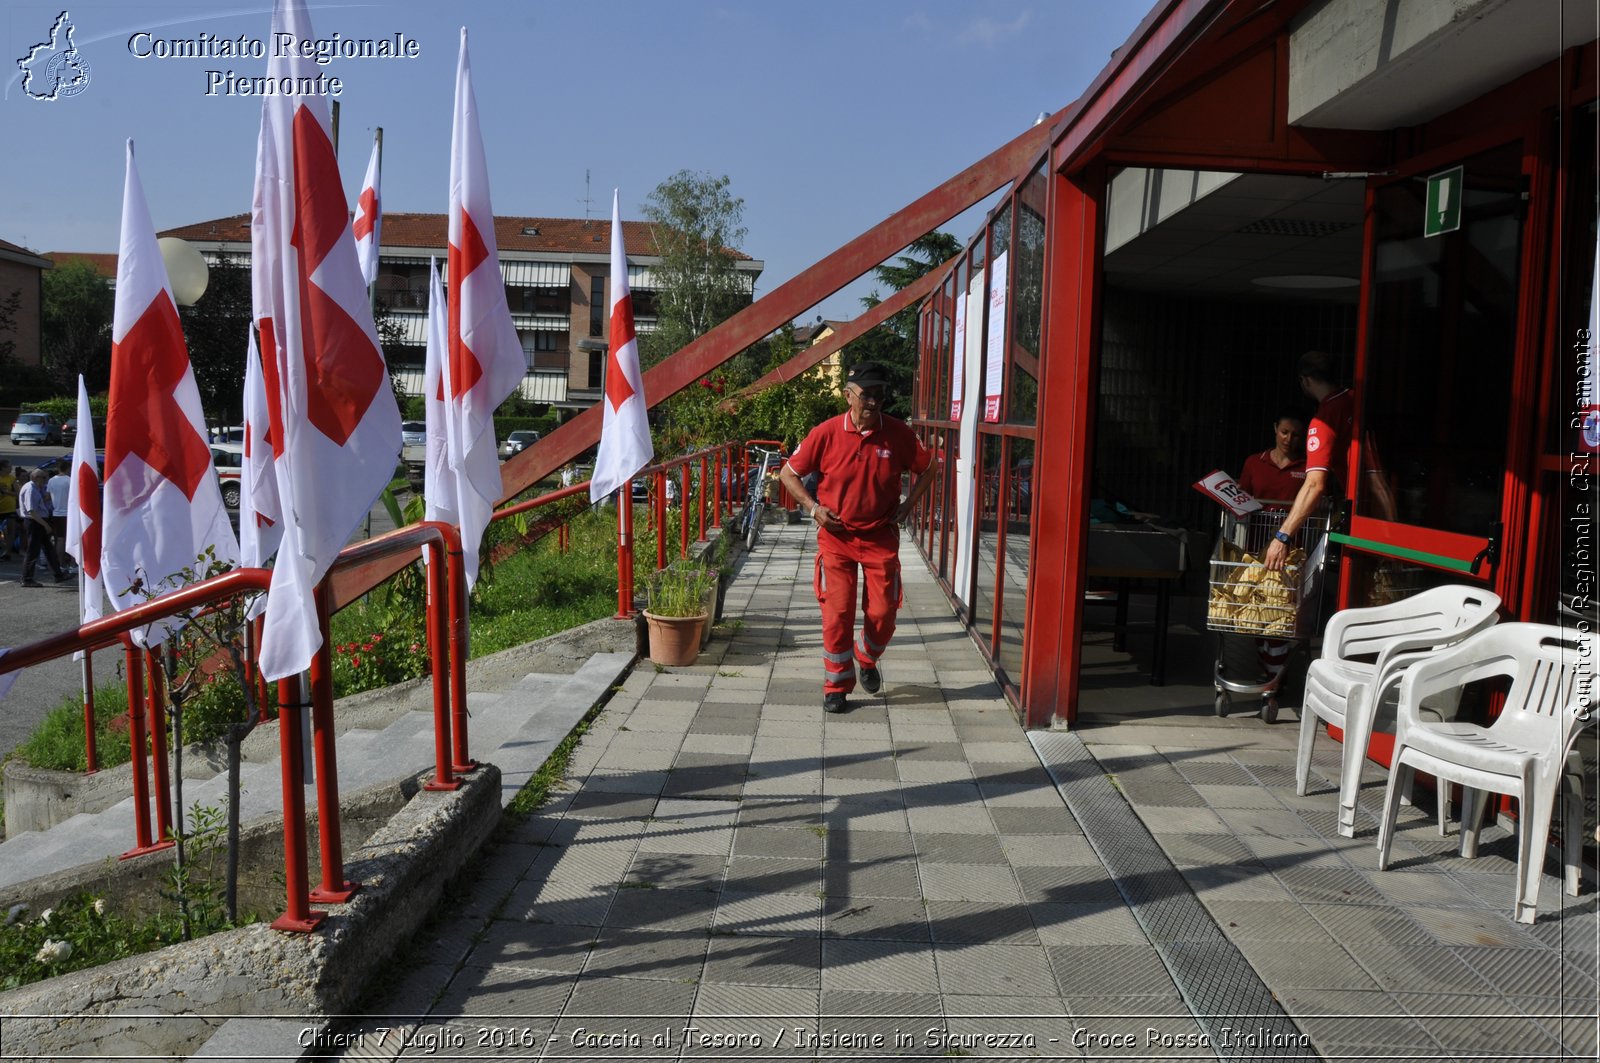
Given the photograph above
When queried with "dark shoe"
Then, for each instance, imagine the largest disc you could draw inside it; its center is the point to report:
(63, 577)
(32, 583)
(833, 703)
(871, 680)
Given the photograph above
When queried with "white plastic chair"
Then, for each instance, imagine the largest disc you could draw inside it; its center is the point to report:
(1347, 693)
(1522, 753)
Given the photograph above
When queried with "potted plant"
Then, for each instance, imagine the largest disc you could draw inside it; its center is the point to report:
(676, 614)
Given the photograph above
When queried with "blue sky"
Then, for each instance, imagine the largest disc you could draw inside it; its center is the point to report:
(827, 115)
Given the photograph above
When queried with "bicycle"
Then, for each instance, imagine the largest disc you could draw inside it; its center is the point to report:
(750, 524)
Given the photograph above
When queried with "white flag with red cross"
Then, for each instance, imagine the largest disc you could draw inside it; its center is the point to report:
(83, 513)
(625, 445)
(369, 219)
(260, 515)
(486, 359)
(438, 482)
(335, 423)
(162, 505)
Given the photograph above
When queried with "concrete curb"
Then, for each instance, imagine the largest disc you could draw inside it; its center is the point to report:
(172, 1001)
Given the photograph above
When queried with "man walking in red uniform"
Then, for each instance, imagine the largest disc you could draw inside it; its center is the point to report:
(1327, 447)
(861, 456)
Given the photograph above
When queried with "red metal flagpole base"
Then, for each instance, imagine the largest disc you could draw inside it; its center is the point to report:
(299, 926)
(322, 895)
(145, 850)
(441, 787)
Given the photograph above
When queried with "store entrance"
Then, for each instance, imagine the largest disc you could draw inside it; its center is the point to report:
(1215, 284)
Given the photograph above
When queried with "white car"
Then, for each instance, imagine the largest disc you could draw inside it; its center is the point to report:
(228, 458)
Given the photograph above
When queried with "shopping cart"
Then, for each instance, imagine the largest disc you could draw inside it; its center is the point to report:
(1248, 603)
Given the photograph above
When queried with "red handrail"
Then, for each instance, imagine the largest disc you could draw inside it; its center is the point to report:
(447, 642)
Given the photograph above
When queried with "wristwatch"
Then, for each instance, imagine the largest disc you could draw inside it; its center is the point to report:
(1282, 536)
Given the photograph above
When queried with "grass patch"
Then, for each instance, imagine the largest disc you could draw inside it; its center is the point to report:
(58, 743)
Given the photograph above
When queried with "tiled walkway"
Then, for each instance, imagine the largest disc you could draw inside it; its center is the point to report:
(908, 880)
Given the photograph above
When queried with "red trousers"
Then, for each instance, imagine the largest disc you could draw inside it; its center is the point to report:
(877, 555)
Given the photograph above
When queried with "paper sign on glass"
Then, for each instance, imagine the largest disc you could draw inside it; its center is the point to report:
(958, 359)
(994, 344)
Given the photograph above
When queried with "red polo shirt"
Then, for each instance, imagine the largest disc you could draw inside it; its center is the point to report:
(1263, 479)
(1328, 438)
(860, 470)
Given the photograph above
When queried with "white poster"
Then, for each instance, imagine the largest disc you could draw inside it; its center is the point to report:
(994, 346)
(967, 442)
(958, 360)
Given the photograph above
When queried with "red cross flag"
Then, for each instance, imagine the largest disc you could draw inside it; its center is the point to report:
(260, 515)
(438, 482)
(83, 513)
(334, 422)
(486, 359)
(163, 505)
(369, 217)
(625, 445)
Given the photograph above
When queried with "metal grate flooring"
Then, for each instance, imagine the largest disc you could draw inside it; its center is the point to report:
(1224, 993)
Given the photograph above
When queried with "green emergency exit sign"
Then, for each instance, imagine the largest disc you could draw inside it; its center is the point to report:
(1444, 203)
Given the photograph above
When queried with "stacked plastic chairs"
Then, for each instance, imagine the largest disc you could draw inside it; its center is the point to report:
(1523, 753)
(1346, 691)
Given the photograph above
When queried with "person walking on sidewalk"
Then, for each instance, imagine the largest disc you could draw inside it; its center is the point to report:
(862, 455)
(34, 505)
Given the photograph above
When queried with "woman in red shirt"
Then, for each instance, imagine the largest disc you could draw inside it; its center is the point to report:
(1276, 474)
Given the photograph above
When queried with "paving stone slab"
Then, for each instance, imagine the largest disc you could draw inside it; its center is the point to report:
(771, 961)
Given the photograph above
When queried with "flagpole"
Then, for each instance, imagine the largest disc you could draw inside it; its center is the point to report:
(372, 289)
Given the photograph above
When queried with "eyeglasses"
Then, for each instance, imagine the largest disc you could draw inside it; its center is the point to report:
(873, 394)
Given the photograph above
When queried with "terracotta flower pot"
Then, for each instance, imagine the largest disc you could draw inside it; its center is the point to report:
(674, 640)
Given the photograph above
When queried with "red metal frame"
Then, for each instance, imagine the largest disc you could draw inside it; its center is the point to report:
(1071, 343)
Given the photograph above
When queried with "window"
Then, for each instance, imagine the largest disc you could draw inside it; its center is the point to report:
(597, 310)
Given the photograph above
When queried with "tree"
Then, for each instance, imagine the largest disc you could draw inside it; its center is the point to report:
(696, 223)
(75, 326)
(893, 344)
(217, 330)
(8, 326)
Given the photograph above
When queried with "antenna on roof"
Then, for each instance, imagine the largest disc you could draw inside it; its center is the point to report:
(587, 202)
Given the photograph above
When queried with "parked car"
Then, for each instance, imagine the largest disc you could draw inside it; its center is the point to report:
(518, 441)
(229, 461)
(69, 430)
(233, 433)
(413, 433)
(38, 428)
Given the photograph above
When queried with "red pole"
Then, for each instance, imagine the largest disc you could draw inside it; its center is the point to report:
(716, 486)
(443, 776)
(333, 889)
(158, 743)
(297, 915)
(263, 690)
(701, 500)
(88, 713)
(683, 512)
(659, 508)
(456, 575)
(141, 780)
(624, 552)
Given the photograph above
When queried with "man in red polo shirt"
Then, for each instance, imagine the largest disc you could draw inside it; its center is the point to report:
(1327, 447)
(861, 455)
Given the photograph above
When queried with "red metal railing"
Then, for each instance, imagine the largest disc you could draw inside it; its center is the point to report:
(446, 646)
(723, 477)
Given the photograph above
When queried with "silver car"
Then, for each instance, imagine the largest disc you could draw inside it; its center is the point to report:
(518, 441)
(38, 428)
